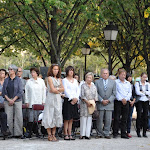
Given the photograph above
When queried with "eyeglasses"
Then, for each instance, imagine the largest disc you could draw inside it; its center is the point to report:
(19, 71)
(10, 69)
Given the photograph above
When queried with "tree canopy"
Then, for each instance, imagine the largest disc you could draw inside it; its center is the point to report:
(55, 30)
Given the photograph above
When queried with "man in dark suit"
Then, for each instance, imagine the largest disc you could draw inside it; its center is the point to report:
(106, 89)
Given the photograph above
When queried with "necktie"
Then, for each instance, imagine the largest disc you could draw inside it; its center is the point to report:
(105, 85)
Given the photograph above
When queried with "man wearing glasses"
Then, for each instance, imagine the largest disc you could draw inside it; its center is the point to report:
(19, 74)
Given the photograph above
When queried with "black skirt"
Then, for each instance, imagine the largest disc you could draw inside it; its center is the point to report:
(70, 111)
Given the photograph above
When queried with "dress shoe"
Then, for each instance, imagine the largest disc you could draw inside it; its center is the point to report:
(7, 133)
(115, 136)
(98, 137)
(19, 137)
(88, 138)
(37, 135)
(139, 135)
(144, 135)
(107, 137)
(124, 137)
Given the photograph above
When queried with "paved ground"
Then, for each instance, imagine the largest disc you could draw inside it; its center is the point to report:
(134, 143)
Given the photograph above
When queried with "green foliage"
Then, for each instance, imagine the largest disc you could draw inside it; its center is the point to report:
(56, 25)
(56, 29)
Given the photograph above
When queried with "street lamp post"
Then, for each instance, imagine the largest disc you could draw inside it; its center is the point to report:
(85, 52)
(110, 32)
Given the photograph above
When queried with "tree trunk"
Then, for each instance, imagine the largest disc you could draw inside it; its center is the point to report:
(55, 58)
(127, 66)
(148, 69)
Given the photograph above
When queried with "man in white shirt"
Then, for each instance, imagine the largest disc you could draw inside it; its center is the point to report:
(121, 104)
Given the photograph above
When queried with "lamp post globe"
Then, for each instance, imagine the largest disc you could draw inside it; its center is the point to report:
(85, 52)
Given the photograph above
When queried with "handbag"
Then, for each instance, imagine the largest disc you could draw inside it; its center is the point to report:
(1, 105)
(95, 115)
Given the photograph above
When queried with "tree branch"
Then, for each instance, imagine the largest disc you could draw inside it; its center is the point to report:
(31, 27)
(36, 14)
(68, 47)
(12, 43)
(7, 17)
(77, 40)
(73, 24)
(67, 18)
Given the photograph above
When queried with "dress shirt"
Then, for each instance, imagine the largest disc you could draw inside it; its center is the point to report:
(105, 83)
(17, 89)
(10, 87)
(143, 96)
(123, 90)
(35, 92)
(71, 90)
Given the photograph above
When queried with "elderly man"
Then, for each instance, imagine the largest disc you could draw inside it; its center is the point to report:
(19, 74)
(106, 89)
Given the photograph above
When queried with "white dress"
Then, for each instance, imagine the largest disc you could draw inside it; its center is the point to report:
(52, 116)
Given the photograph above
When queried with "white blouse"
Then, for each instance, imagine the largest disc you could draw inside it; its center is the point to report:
(142, 95)
(71, 90)
(35, 92)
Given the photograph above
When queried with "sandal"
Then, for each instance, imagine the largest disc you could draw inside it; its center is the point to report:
(71, 138)
(66, 137)
(50, 138)
(54, 139)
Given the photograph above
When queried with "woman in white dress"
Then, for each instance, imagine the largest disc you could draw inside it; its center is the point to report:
(52, 116)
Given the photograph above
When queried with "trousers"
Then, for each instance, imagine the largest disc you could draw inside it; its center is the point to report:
(85, 126)
(14, 117)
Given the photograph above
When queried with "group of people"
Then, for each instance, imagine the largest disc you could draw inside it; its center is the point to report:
(67, 99)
